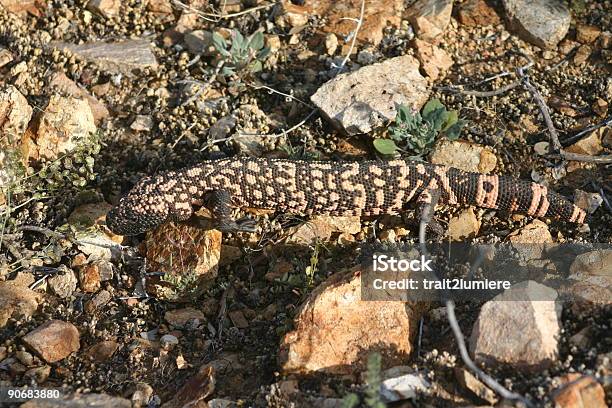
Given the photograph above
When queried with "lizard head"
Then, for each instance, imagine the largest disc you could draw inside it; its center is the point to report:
(146, 206)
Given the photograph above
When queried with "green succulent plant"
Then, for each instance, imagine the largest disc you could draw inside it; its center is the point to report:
(244, 55)
(418, 132)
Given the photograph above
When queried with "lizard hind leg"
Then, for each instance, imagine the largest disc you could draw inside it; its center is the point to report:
(219, 203)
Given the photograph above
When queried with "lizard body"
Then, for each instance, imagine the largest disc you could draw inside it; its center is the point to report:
(335, 188)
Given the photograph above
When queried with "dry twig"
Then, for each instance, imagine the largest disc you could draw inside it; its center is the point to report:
(206, 84)
(481, 94)
(604, 159)
(579, 135)
(554, 135)
(426, 215)
(355, 32)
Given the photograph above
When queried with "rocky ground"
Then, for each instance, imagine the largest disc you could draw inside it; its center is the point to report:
(96, 94)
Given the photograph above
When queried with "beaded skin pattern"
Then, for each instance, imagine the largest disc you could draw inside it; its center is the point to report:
(335, 188)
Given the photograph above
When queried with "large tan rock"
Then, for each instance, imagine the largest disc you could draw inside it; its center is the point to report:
(541, 22)
(335, 330)
(366, 99)
(464, 225)
(192, 259)
(65, 85)
(63, 125)
(464, 156)
(321, 228)
(15, 114)
(17, 302)
(53, 340)
(520, 327)
(115, 57)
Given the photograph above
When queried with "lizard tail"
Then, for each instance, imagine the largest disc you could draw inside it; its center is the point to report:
(507, 193)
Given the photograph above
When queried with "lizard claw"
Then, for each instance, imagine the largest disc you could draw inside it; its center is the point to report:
(244, 225)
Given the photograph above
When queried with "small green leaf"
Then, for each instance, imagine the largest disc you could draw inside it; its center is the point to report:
(452, 118)
(227, 71)
(256, 66)
(263, 53)
(257, 41)
(453, 132)
(403, 113)
(437, 118)
(432, 105)
(219, 43)
(238, 43)
(385, 146)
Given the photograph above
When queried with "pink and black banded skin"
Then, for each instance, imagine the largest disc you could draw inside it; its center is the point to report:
(365, 188)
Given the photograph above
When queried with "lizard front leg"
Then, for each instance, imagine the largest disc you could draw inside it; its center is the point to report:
(219, 203)
(427, 201)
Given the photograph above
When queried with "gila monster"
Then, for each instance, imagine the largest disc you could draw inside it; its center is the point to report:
(336, 188)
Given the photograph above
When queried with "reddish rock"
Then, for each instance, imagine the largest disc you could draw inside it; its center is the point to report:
(102, 351)
(580, 391)
(17, 302)
(63, 125)
(191, 260)
(434, 60)
(430, 17)
(89, 278)
(105, 8)
(334, 328)
(53, 340)
(195, 390)
(587, 34)
(33, 7)
(478, 13)
(181, 317)
(378, 14)
(63, 84)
